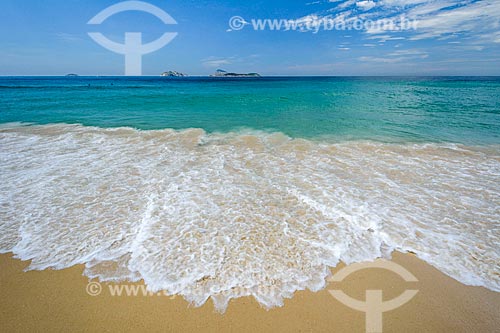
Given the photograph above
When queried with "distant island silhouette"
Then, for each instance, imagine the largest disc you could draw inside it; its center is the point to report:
(223, 73)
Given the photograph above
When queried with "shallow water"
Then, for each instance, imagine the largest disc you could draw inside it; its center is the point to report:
(227, 215)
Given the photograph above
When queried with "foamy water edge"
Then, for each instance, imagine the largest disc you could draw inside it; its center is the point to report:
(242, 214)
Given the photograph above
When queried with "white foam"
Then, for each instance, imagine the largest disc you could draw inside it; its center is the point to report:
(228, 215)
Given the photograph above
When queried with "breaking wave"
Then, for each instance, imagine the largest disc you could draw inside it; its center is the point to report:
(251, 213)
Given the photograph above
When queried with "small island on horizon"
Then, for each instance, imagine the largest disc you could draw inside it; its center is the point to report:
(218, 73)
(173, 74)
(223, 73)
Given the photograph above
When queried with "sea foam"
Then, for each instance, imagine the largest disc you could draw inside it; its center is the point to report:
(222, 216)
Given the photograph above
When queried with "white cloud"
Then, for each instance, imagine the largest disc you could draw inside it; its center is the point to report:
(397, 56)
(366, 5)
(401, 3)
(436, 18)
(429, 8)
(385, 38)
(379, 59)
(414, 53)
(473, 47)
(346, 4)
(67, 37)
(216, 62)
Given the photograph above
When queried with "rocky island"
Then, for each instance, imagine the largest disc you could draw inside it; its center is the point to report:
(223, 73)
(173, 74)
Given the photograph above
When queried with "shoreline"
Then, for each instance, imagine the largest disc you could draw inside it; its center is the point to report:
(58, 300)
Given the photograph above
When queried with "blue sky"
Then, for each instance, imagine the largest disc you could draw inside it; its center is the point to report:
(451, 38)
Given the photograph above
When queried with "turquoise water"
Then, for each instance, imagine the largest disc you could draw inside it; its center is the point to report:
(461, 110)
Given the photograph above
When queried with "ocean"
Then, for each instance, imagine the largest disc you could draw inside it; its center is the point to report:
(222, 188)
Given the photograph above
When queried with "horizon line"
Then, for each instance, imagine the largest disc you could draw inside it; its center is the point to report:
(262, 76)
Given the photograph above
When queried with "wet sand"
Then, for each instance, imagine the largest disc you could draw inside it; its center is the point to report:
(58, 301)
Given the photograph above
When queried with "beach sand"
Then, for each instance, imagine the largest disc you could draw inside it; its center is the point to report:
(57, 301)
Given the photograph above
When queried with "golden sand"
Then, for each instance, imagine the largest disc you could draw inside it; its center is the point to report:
(58, 301)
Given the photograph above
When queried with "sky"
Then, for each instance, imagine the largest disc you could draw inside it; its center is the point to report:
(445, 37)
